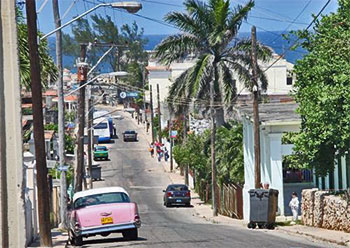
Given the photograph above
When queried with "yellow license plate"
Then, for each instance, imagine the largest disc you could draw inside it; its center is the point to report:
(107, 220)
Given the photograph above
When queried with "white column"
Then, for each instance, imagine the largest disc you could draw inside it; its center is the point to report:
(336, 175)
(276, 168)
(343, 172)
(11, 163)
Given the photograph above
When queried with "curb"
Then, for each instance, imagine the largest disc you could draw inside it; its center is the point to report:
(315, 237)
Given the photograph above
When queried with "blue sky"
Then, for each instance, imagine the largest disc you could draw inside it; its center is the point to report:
(286, 14)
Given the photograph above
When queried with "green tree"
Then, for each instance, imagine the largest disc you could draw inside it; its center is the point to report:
(229, 155)
(322, 90)
(48, 68)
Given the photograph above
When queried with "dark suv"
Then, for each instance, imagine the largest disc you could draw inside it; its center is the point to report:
(130, 136)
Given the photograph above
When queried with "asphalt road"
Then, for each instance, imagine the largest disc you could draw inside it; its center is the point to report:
(132, 168)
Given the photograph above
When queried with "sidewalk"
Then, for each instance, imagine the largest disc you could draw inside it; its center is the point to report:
(59, 239)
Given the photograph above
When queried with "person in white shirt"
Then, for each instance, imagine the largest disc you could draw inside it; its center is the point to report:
(294, 205)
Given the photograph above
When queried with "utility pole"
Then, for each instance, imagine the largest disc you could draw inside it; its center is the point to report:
(152, 114)
(82, 77)
(90, 141)
(39, 140)
(144, 96)
(61, 141)
(185, 140)
(159, 117)
(256, 111)
(171, 145)
(212, 142)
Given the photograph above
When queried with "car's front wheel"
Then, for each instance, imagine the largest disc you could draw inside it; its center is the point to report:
(131, 234)
(75, 240)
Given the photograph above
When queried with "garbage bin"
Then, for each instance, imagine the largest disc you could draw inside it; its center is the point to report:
(96, 173)
(263, 208)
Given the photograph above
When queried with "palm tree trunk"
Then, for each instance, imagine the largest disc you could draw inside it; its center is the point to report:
(212, 141)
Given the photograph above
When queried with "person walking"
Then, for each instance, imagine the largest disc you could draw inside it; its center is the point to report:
(151, 149)
(166, 154)
(160, 153)
(294, 205)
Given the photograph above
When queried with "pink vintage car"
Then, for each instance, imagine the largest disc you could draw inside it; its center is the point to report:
(103, 211)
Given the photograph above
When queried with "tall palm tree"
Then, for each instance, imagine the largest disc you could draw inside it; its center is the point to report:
(209, 32)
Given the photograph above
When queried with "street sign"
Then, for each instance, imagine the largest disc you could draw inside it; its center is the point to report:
(173, 133)
(132, 94)
(63, 168)
(122, 95)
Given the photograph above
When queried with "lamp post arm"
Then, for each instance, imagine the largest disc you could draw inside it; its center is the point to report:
(73, 20)
(100, 60)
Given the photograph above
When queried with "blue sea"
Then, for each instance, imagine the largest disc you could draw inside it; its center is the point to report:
(271, 39)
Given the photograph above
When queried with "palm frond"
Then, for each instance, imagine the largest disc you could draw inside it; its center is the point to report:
(184, 22)
(177, 46)
(228, 82)
(203, 75)
(238, 15)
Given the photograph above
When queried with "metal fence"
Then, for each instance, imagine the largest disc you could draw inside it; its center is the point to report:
(230, 198)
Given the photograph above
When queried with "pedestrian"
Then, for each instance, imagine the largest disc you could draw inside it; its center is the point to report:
(166, 154)
(160, 154)
(294, 205)
(151, 150)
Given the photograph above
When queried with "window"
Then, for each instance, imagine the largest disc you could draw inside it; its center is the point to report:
(97, 199)
(289, 81)
(101, 126)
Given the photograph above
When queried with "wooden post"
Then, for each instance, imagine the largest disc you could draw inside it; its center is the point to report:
(39, 140)
(159, 117)
(212, 141)
(82, 77)
(256, 111)
(152, 113)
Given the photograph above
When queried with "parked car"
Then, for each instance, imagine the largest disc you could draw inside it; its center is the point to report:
(177, 194)
(130, 135)
(102, 211)
(118, 117)
(100, 152)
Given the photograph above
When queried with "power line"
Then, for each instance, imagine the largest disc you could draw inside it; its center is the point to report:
(277, 20)
(295, 19)
(161, 3)
(290, 47)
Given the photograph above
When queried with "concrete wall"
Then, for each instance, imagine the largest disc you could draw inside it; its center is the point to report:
(12, 229)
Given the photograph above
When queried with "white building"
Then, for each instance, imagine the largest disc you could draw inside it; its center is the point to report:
(280, 80)
(276, 120)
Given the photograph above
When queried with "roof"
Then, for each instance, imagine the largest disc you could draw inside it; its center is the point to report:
(157, 68)
(98, 191)
(30, 105)
(49, 134)
(272, 113)
(70, 98)
(50, 93)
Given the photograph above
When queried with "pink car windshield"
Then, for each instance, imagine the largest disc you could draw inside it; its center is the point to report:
(98, 199)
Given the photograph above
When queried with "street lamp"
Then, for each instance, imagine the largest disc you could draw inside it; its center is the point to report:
(131, 7)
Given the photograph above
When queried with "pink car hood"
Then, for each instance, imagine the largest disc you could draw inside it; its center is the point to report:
(120, 212)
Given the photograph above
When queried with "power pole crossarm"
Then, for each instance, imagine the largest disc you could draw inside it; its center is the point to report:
(256, 111)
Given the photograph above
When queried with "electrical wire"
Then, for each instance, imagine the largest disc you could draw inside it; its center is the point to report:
(293, 22)
(295, 42)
